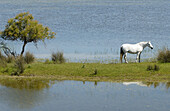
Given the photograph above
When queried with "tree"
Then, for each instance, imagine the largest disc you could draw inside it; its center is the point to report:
(23, 27)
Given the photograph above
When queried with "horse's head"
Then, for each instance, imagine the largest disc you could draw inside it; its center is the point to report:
(150, 45)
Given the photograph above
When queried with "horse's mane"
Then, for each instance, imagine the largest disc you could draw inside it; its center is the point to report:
(142, 43)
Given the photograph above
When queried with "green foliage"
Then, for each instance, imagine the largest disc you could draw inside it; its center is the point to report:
(58, 57)
(23, 27)
(164, 56)
(29, 58)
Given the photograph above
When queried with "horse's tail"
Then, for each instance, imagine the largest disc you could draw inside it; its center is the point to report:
(121, 54)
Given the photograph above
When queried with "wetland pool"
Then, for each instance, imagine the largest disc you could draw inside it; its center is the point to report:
(34, 95)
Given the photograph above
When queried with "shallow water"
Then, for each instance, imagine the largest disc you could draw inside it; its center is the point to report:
(94, 29)
(19, 95)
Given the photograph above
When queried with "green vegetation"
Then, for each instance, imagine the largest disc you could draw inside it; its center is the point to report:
(94, 71)
(16, 65)
(23, 27)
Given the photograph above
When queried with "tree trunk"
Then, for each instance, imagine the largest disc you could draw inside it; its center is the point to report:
(23, 47)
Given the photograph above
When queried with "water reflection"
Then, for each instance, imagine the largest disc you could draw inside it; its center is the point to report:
(26, 83)
(40, 84)
(42, 95)
(149, 84)
(156, 84)
(23, 93)
(146, 84)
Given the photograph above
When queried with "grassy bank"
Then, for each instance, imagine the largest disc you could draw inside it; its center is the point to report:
(93, 71)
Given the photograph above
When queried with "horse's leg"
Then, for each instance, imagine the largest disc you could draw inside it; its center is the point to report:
(125, 58)
(138, 57)
(121, 56)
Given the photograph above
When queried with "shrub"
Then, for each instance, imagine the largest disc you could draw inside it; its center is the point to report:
(47, 61)
(58, 57)
(95, 72)
(156, 68)
(2, 60)
(83, 66)
(149, 67)
(164, 55)
(153, 68)
(29, 58)
(2, 57)
(19, 65)
(3, 63)
(10, 59)
(7, 59)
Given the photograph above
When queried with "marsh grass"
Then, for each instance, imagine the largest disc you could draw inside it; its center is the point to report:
(58, 57)
(29, 57)
(164, 55)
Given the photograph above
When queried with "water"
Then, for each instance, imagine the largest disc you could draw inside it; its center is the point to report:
(94, 29)
(20, 95)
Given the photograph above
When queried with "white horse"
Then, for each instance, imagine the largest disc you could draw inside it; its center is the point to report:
(133, 49)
